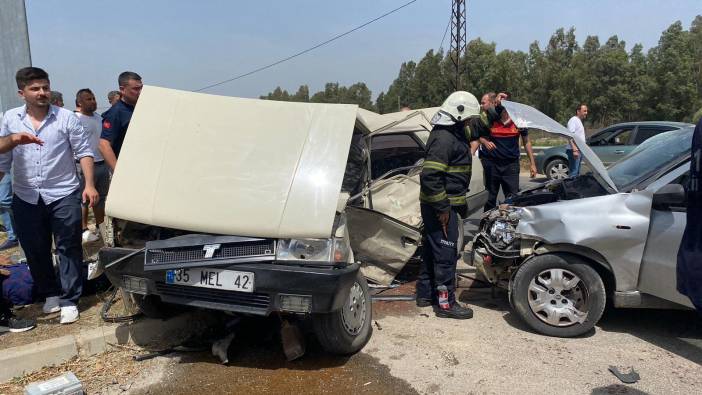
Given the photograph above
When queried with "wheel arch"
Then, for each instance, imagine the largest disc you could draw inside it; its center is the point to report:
(588, 256)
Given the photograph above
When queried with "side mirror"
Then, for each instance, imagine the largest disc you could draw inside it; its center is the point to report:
(671, 195)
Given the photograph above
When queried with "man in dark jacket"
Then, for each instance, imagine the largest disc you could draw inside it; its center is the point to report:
(689, 268)
(444, 182)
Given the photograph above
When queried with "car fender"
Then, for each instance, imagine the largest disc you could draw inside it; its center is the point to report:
(616, 226)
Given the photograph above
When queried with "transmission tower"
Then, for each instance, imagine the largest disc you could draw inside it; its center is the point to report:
(458, 40)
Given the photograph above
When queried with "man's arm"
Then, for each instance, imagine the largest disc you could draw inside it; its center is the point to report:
(108, 154)
(9, 142)
(80, 142)
(530, 154)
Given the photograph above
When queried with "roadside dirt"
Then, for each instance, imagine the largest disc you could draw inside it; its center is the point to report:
(48, 326)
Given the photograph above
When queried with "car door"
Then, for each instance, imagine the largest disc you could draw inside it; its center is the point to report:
(658, 265)
(615, 146)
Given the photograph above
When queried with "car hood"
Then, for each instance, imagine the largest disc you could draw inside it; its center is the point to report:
(528, 117)
(233, 166)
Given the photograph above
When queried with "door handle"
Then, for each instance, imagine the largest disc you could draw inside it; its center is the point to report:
(619, 152)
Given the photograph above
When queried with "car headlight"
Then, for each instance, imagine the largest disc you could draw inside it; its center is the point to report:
(502, 231)
(332, 250)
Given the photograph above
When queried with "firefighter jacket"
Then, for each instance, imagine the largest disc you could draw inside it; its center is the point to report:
(447, 167)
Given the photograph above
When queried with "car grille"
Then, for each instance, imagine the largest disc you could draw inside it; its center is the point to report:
(162, 256)
(251, 300)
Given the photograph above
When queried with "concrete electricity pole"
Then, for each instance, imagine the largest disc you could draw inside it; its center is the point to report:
(14, 47)
(458, 40)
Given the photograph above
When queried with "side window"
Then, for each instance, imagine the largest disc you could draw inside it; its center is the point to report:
(620, 137)
(646, 132)
(391, 151)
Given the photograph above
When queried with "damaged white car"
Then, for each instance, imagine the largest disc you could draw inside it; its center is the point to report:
(563, 248)
(262, 207)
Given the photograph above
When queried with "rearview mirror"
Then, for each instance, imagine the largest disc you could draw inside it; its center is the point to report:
(671, 195)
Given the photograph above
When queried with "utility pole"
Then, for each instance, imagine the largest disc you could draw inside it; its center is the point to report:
(14, 47)
(458, 40)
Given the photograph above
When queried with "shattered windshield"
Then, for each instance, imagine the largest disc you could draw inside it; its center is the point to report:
(650, 157)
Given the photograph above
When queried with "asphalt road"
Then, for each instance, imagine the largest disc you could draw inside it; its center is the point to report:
(412, 351)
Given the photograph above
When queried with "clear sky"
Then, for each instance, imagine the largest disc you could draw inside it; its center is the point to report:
(190, 44)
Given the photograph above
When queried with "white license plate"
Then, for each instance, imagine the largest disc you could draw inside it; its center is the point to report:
(229, 280)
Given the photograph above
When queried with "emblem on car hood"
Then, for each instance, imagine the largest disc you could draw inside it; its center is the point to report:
(210, 249)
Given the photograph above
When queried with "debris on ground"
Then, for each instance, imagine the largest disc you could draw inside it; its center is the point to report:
(293, 340)
(66, 383)
(626, 378)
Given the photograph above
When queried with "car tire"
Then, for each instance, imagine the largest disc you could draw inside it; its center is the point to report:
(557, 169)
(348, 329)
(558, 295)
(152, 306)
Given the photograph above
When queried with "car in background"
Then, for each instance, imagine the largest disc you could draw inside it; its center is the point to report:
(610, 144)
(564, 248)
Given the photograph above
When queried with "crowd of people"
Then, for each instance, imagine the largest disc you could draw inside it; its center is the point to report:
(55, 165)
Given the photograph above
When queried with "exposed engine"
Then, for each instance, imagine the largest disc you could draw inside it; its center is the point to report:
(497, 248)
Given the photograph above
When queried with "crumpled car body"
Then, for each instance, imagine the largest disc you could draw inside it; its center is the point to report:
(615, 221)
(237, 205)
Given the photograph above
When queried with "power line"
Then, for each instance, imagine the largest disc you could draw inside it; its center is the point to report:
(338, 36)
(446, 30)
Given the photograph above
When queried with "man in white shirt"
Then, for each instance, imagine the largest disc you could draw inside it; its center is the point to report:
(575, 126)
(92, 124)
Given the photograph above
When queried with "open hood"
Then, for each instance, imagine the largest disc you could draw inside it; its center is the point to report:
(232, 166)
(528, 117)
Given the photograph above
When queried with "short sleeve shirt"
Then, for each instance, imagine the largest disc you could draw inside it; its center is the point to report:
(115, 122)
(575, 126)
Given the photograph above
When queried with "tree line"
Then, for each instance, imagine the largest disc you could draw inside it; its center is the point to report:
(663, 83)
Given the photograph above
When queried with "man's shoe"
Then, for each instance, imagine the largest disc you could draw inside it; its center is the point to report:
(422, 302)
(51, 305)
(9, 244)
(14, 324)
(456, 311)
(89, 236)
(69, 314)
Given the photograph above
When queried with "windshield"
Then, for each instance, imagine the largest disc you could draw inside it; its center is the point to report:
(650, 157)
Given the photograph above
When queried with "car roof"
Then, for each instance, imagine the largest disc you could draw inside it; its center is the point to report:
(644, 123)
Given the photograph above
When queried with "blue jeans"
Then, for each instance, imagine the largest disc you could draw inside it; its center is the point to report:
(573, 163)
(6, 206)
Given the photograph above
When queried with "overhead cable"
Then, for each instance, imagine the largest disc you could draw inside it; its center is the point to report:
(338, 36)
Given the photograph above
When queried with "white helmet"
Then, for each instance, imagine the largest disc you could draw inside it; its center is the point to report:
(458, 107)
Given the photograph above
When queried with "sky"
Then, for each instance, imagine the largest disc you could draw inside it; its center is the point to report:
(191, 44)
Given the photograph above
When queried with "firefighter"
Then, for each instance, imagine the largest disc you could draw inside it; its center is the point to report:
(444, 183)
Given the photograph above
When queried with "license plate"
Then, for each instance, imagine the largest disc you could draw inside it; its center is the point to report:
(229, 280)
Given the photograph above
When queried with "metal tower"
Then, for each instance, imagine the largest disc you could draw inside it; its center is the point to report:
(458, 40)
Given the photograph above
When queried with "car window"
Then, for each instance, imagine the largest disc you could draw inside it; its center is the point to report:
(391, 151)
(620, 137)
(646, 132)
(651, 156)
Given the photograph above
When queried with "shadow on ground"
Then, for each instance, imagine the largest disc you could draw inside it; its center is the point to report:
(677, 331)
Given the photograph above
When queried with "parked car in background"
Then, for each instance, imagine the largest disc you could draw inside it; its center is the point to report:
(610, 145)
(564, 248)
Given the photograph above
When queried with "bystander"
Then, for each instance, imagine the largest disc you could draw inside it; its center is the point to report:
(575, 126)
(116, 120)
(113, 97)
(56, 99)
(47, 197)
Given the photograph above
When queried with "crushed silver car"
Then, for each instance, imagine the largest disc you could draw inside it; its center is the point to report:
(563, 248)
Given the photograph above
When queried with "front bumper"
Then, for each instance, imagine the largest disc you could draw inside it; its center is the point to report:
(326, 286)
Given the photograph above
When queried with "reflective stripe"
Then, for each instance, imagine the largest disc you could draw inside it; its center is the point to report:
(457, 200)
(430, 164)
(432, 198)
(459, 169)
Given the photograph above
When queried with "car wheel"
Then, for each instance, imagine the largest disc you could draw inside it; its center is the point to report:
(558, 295)
(557, 169)
(152, 306)
(347, 330)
